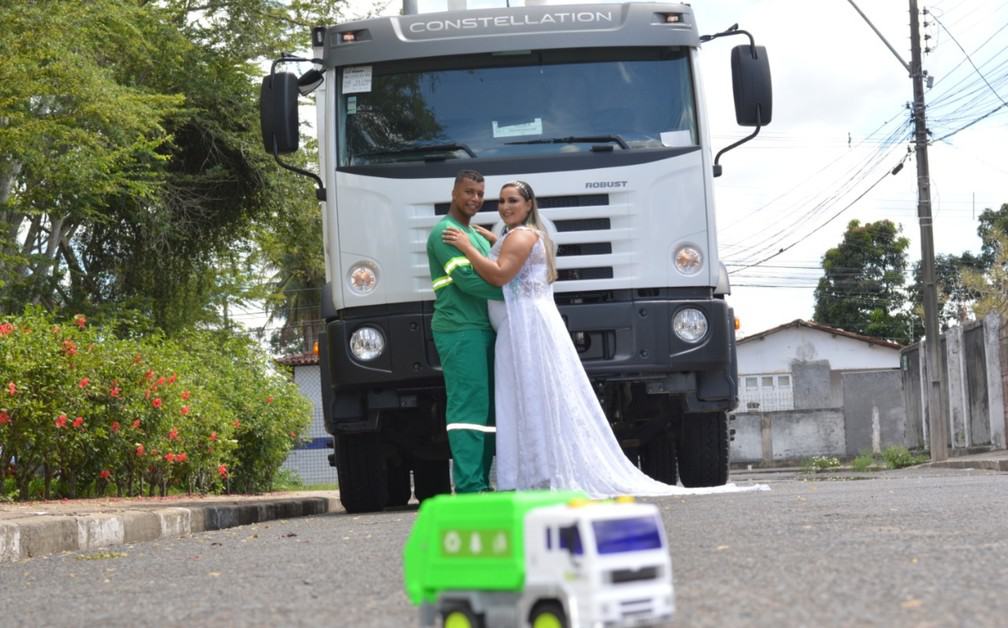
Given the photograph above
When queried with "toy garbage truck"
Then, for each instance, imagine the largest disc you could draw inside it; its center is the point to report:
(540, 559)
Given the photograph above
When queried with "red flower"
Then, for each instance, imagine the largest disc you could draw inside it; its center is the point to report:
(69, 347)
(236, 423)
(173, 433)
(184, 410)
(185, 395)
(171, 378)
(79, 421)
(169, 457)
(156, 403)
(105, 474)
(80, 321)
(6, 329)
(149, 374)
(115, 391)
(84, 382)
(61, 421)
(139, 449)
(161, 381)
(5, 419)
(136, 424)
(137, 358)
(269, 399)
(213, 437)
(181, 457)
(293, 435)
(115, 426)
(11, 388)
(223, 470)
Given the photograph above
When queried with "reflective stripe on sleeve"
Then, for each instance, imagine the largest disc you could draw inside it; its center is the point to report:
(441, 282)
(454, 263)
(476, 427)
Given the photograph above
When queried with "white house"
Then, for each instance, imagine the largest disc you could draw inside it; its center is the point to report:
(765, 360)
(310, 459)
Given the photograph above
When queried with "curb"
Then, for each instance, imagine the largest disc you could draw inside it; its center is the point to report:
(987, 464)
(30, 537)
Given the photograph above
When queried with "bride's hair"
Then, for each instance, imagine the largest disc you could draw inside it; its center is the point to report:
(535, 221)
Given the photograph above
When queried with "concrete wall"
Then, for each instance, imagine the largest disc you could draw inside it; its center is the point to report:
(873, 410)
(813, 387)
(791, 436)
(776, 352)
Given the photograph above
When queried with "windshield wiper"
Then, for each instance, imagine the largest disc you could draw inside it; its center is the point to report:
(578, 139)
(422, 148)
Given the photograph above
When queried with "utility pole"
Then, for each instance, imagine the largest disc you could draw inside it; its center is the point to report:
(937, 426)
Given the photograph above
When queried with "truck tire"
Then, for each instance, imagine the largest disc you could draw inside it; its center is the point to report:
(702, 449)
(399, 488)
(430, 478)
(360, 469)
(461, 616)
(548, 615)
(658, 458)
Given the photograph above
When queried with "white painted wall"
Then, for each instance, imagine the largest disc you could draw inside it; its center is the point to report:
(312, 464)
(775, 352)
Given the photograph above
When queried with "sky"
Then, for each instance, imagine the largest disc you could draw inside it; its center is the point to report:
(840, 124)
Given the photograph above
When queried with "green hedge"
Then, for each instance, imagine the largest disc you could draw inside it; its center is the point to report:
(85, 411)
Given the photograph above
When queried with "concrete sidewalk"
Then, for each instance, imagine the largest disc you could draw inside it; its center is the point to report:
(31, 529)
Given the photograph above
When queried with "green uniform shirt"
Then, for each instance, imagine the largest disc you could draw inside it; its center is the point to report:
(461, 294)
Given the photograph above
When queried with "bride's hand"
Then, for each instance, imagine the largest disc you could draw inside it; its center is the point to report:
(486, 233)
(456, 238)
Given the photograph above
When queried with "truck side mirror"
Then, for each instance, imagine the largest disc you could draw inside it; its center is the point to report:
(278, 113)
(751, 84)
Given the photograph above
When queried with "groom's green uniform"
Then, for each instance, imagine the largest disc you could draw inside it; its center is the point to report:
(465, 345)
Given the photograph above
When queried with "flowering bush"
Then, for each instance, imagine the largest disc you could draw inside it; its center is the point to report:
(84, 412)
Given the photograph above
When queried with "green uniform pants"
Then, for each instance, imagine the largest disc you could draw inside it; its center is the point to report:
(467, 362)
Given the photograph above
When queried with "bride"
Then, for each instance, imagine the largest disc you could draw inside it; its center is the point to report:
(551, 430)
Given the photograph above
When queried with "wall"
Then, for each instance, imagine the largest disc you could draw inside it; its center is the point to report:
(873, 411)
(787, 437)
(775, 352)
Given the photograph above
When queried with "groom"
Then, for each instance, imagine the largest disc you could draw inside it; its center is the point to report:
(464, 338)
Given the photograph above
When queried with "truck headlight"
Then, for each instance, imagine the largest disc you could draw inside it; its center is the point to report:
(690, 324)
(688, 260)
(362, 278)
(367, 343)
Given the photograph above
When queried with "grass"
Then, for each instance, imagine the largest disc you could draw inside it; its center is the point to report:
(817, 464)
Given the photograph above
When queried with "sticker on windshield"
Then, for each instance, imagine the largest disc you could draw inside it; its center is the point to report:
(675, 139)
(357, 79)
(532, 127)
(351, 105)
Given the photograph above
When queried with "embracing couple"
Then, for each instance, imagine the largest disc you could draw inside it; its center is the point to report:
(551, 432)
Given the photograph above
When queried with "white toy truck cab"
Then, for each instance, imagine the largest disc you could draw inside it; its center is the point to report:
(599, 107)
(538, 559)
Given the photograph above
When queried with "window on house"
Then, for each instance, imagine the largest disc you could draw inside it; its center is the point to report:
(767, 381)
(783, 380)
(751, 383)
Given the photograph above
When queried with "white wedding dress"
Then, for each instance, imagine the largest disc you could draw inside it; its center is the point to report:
(551, 430)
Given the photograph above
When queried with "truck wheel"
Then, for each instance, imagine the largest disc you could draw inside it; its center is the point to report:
(548, 615)
(430, 478)
(360, 469)
(399, 489)
(703, 449)
(658, 458)
(460, 617)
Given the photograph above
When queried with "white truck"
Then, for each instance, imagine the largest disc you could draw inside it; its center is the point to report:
(540, 559)
(599, 107)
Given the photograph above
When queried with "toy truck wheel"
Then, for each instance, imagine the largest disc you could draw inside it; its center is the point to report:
(361, 472)
(703, 449)
(460, 617)
(548, 615)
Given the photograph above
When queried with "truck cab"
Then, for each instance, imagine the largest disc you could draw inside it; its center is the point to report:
(599, 106)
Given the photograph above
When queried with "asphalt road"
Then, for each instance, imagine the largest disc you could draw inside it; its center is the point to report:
(907, 548)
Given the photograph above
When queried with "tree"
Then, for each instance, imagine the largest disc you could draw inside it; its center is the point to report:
(862, 285)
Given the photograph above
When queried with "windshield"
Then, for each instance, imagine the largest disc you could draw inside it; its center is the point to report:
(614, 536)
(516, 105)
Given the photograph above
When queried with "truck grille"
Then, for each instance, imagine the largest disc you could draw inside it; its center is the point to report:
(619, 576)
(580, 243)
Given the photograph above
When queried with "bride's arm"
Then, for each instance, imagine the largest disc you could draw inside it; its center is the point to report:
(514, 252)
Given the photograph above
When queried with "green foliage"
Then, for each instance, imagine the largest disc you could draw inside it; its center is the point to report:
(862, 285)
(865, 461)
(84, 411)
(899, 457)
(817, 464)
